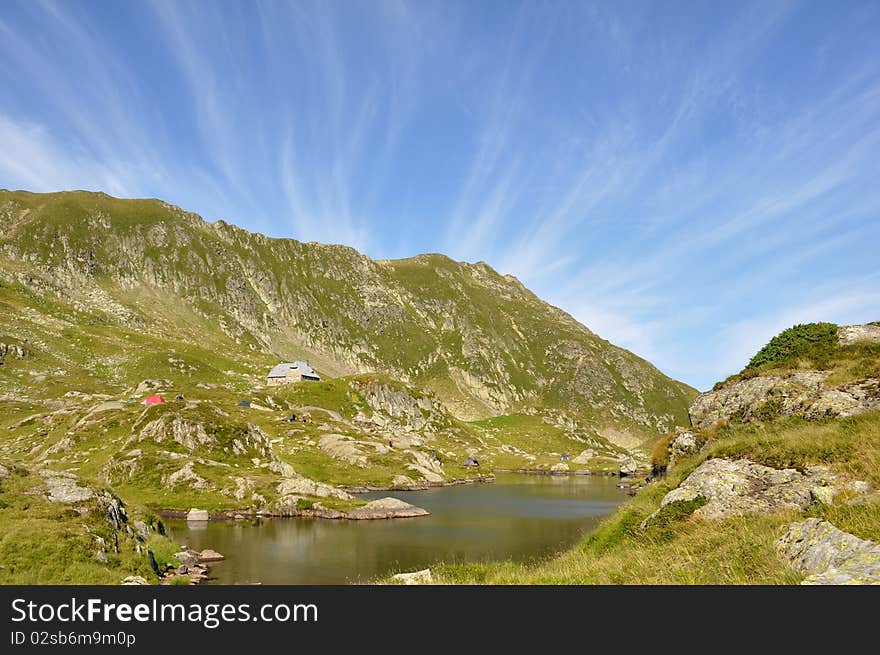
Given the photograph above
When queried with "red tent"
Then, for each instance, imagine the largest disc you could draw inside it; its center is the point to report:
(153, 400)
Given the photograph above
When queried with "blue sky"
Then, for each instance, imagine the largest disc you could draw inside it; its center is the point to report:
(686, 179)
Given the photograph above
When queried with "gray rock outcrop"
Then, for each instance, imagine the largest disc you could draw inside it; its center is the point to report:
(343, 448)
(683, 445)
(12, 351)
(848, 335)
(64, 487)
(732, 488)
(584, 457)
(292, 489)
(828, 556)
(628, 466)
(802, 393)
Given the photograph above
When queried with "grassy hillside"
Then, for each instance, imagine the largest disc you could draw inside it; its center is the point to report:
(481, 341)
(425, 362)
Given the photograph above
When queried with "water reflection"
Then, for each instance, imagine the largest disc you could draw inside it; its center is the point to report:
(518, 517)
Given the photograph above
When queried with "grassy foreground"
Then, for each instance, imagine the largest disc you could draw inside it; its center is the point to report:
(679, 549)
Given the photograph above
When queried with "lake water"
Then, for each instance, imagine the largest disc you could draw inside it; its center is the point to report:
(518, 517)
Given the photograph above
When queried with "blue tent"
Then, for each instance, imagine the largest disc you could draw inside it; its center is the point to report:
(244, 403)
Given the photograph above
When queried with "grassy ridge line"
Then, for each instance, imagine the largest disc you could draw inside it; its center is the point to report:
(812, 346)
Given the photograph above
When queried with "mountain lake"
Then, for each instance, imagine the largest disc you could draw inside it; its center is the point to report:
(518, 517)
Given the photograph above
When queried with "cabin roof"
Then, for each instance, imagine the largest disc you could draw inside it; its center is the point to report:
(280, 370)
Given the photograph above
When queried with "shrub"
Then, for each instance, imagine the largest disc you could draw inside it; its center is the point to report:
(660, 453)
(302, 503)
(814, 341)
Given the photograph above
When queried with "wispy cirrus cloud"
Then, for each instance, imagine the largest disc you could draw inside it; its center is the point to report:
(682, 179)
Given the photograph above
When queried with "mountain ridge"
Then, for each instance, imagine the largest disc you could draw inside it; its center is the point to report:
(463, 330)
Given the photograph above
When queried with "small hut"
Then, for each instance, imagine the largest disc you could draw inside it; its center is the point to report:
(292, 372)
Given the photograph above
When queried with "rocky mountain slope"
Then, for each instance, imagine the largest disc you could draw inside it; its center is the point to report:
(482, 342)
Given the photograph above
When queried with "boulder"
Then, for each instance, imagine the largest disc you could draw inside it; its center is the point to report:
(186, 476)
(197, 515)
(628, 466)
(187, 558)
(683, 445)
(134, 580)
(150, 385)
(416, 577)
(732, 488)
(560, 467)
(827, 555)
(209, 555)
(386, 508)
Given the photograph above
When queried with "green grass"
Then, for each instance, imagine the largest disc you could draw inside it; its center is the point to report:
(51, 543)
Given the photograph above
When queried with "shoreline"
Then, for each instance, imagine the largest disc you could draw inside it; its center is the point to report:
(292, 512)
(607, 474)
(357, 514)
(420, 487)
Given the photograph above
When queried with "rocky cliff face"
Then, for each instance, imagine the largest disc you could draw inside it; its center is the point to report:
(480, 340)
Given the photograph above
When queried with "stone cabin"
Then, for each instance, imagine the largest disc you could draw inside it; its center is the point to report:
(292, 372)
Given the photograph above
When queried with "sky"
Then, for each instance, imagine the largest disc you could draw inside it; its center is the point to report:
(686, 179)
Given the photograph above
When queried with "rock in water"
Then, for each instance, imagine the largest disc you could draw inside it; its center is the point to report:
(197, 515)
(416, 577)
(386, 508)
(828, 555)
(209, 555)
(744, 487)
